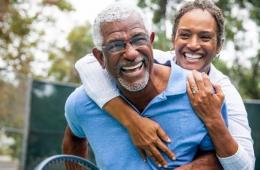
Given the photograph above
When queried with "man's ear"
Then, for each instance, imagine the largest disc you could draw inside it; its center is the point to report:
(152, 35)
(99, 56)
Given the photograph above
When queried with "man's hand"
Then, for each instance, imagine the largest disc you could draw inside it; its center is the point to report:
(148, 136)
(205, 98)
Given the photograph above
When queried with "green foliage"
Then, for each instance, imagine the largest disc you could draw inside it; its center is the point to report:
(12, 109)
(19, 38)
(18, 26)
(162, 42)
(142, 3)
(160, 12)
(248, 79)
(14, 30)
(221, 65)
(157, 6)
(61, 4)
(60, 68)
(63, 59)
(80, 41)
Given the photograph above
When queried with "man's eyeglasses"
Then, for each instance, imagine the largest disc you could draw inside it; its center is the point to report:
(118, 46)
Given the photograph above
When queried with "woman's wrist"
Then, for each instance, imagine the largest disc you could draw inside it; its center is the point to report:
(122, 112)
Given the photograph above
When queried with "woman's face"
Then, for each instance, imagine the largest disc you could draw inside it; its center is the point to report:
(195, 42)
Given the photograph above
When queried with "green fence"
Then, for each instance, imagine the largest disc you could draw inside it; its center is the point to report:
(47, 122)
(253, 109)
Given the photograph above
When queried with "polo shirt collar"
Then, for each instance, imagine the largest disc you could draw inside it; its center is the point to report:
(177, 81)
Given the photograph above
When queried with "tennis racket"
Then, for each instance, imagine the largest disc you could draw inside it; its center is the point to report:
(66, 162)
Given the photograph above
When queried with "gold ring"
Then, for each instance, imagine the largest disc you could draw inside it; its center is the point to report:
(194, 90)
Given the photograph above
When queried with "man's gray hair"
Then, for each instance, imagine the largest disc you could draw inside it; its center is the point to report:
(117, 11)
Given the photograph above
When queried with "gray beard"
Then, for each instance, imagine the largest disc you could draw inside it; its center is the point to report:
(137, 86)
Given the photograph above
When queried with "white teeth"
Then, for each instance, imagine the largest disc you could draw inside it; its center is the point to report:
(192, 56)
(133, 67)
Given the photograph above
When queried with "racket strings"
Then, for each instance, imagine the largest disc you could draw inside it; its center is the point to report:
(66, 164)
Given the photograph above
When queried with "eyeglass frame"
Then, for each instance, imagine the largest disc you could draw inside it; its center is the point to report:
(124, 43)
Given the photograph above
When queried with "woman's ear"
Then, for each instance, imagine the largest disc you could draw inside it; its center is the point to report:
(99, 56)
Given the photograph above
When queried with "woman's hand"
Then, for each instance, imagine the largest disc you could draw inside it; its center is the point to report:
(205, 98)
(146, 134)
(148, 137)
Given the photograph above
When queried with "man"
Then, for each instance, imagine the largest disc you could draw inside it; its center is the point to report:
(124, 48)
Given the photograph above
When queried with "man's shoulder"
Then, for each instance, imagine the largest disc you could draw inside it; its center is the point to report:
(78, 99)
(77, 95)
(177, 80)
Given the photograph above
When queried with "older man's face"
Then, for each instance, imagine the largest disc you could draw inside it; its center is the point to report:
(128, 52)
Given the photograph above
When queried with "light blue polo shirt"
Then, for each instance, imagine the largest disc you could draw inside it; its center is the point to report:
(110, 141)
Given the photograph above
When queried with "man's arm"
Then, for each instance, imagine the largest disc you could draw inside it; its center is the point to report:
(73, 145)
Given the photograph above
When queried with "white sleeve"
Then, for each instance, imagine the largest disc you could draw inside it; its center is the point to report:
(238, 126)
(97, 83)
(237, 161)
(163, 56)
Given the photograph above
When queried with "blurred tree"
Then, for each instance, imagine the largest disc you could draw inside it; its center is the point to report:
(246, 78)
(20, 33)
(13, 107)
(158, 7)
(63, 59)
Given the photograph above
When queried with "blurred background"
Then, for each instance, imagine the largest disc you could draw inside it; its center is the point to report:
(40, 41)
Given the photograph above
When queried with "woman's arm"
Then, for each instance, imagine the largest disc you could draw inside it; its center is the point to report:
(207, 106)
(238, 125)
(146, 134)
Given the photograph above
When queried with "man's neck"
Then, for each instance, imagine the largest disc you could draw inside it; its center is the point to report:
(157, 83)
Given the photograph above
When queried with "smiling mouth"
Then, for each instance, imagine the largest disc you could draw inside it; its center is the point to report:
(192, 57)
(132, 68)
